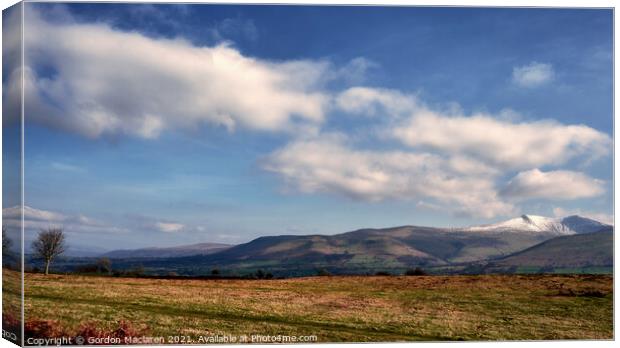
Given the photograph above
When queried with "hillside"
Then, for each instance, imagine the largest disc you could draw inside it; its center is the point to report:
(564, 252)
(372, 250)
(361, 251)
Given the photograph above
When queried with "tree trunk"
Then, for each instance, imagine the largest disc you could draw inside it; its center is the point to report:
(47, 267)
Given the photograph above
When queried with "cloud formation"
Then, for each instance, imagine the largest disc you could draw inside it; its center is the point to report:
(446, 159)
(169, 226)
(327, 164)
(493, 139)
(375, 101)
(512, 145)
(235, 28)
(100, 81)
(533, 74)
(37, 219)
(552, 185)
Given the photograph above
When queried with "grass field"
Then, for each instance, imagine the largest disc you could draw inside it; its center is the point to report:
(488, 307)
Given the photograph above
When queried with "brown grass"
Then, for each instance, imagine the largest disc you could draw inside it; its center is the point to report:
(490, 307)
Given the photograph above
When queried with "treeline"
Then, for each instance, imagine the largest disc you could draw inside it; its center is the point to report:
(51, 243)
(104, 267)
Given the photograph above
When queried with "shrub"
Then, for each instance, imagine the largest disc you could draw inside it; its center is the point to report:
(11, 323)
(415, 272)
(124, 329)
(137, 271)
(323, 273)
(104, 265)
(90, 268)
(383, 273)
(37, 328)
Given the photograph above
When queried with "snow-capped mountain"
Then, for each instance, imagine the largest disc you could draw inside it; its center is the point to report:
(533, 223)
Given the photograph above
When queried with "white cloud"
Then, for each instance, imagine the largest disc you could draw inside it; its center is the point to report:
(451, 158)
(375, 101)
(81, 225)
(532, 75)
(169, 226)
(501, 142)
(37, 219)
(355, 71)
(235, 28)
(327, 164)
(498, 140)
(552, 185)
(11, 55)
(14, 213)
(100, 81)
(108, 82)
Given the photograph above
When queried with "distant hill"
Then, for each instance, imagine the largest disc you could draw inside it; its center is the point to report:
(177, 251)
(371, 250)
(406, 245)
(77, 250)
(565, 252)
(451, 250)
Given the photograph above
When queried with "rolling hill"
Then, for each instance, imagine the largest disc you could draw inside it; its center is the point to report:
(578, 251)
(508, 246)
(393, 249)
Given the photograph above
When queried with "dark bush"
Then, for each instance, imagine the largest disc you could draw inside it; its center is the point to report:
(37, 328)
(415, 272)
(89, 268)
(581, 293)
(136, 271)
(323, 273)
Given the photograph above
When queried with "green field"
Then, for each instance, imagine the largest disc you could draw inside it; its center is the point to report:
(488, 307)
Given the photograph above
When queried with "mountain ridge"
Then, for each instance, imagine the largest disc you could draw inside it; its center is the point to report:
(368, 250)
(371, 250)
(573, 224)
(594, 249)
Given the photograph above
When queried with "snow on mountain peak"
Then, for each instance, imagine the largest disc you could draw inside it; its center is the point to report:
(534, 223)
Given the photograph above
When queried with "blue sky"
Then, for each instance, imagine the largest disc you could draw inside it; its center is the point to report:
(169, 125)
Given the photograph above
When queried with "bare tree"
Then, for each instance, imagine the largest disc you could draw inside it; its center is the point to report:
(7, 253)
(6, 242)
(49, 244)
(104, 265)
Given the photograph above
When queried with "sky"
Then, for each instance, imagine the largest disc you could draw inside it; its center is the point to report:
(157, 125)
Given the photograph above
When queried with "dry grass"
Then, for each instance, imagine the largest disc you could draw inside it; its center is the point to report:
(335, 308)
